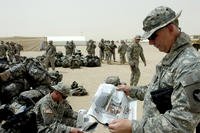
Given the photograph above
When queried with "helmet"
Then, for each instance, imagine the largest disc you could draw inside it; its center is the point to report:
(158, 18)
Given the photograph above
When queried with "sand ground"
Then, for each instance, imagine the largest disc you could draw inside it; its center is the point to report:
(91, 78)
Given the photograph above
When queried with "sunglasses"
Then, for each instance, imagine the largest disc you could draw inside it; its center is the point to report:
(64, 97)
(153, 36)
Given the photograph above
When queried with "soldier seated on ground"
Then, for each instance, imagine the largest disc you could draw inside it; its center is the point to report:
(54, 114)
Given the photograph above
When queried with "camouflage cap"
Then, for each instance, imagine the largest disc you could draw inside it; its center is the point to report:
(158, 18)
(112, 80)
(50, 42)
(137, 37)
(63, 89)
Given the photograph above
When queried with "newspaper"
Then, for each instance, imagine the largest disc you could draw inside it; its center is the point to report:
(109, 104)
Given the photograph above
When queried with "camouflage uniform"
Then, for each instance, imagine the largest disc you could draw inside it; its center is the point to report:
(101, 49)
(134, 52)
(113, 46)
(3, 50)
(122, 52)
(91, 47)
(50, 55)
(69, 48)
(108, 52)
(54, 117)
(179, 69)
(18, 48)
(11, 52)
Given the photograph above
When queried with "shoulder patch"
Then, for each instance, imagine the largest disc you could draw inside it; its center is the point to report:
(191, 85)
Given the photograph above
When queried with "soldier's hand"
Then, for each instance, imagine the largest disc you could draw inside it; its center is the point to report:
(5, 75)
(120, 126)
(125, 88)
(145, 64)
(76, 130)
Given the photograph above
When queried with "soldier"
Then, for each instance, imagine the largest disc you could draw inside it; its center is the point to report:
(73, 46)
(69, 48)
(122, 51)
(101, 49)
(91, 47)
(54, 114)
(18, 48)
(3, 50)
(108, 52)
(50, 56)
(134, 52)
(113, 46)
(11, 52)
(172, 99)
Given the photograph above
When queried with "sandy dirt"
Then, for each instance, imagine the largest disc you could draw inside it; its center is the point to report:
(92, 77)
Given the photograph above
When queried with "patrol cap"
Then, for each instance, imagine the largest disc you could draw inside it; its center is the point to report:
(63, 89)
(158, 18)
(137, 37)
(112, 80)
(50, 42)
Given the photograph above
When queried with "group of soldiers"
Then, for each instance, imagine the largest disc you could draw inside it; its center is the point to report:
(133, 50)
(107, 50)
(10, 50)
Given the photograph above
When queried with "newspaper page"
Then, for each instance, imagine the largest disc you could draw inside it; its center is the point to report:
(110, 104)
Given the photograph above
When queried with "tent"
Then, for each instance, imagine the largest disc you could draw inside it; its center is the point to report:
(28, 43)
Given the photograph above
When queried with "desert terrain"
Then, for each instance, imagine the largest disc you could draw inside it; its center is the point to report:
(92, 77)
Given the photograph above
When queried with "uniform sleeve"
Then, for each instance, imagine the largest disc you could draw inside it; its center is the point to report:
(47, 114)
(142, 56)
(69, 111)
(138, 92)
(59, 128)
(184, 115)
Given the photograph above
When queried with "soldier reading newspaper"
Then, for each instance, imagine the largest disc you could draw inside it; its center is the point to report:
(109, 104)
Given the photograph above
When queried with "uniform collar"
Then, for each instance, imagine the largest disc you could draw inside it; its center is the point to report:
(182, 41)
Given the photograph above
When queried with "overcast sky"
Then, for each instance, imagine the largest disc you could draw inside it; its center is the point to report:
(95, 19)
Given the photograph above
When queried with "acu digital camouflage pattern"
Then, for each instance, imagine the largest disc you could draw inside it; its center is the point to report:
(101, 49)
(134, 51)
(54, 117)
(90, 48)
(182, 61)
(122, 52)
(158, 18)
(50, 56)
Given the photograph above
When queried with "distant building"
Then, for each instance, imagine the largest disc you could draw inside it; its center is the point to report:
(61, 40)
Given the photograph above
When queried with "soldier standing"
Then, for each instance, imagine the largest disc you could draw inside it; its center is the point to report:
(101, 49)
(122, 52)
(11, 52)
(3, 50)
(50, 56)
(134, 52)
(108, 52)
(113, 46)
(172, 98)
(54, 114)
(18, 48)
(73, 46)
(68, 49)
(91, 48)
